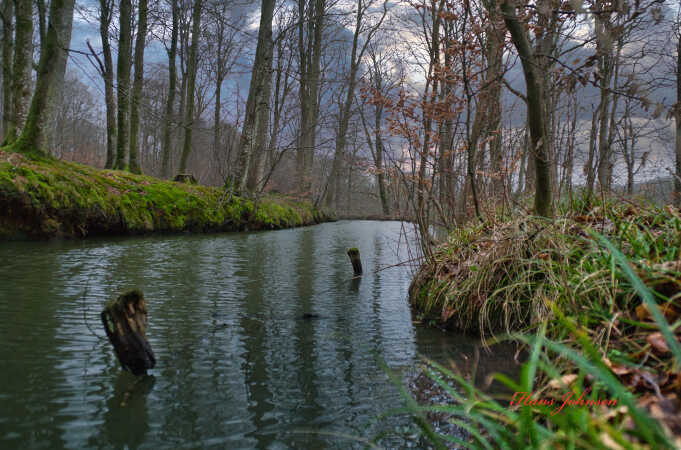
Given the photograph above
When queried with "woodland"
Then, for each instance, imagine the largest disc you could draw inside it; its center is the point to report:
(542, 139)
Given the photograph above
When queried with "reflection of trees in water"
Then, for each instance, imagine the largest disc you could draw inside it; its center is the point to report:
(126, 420)
(30, 354)
(234, 363)
(468, 357)
(304, 336)
(179, 352)
(256, 366)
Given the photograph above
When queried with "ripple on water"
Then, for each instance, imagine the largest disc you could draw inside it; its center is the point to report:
(235, 366)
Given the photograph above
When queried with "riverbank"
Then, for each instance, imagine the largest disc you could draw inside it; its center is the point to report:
(45, 198)
(376, 217)
(580, 288)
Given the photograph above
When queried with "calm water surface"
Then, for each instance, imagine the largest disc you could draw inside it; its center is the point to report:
(236, 366)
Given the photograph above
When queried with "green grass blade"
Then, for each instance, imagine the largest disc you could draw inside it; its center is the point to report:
(647, 297)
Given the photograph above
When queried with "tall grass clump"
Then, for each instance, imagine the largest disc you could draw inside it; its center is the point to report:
(595, 297)
(503, 276)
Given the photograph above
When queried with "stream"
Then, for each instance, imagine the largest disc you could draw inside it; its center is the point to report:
(237, 364)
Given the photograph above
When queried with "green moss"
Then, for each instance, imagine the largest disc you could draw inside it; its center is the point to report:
(45, 197)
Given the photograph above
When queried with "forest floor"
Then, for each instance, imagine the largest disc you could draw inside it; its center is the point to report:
(595, 296)
(43, 198)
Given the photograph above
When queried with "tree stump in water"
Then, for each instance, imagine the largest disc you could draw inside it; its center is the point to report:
(125, 322)
(353, 253)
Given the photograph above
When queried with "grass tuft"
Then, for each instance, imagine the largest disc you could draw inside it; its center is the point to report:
(595, 296)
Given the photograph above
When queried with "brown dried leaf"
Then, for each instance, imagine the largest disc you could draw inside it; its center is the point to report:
(620, 371)
(642, 312)
(658, 343)
(563, 381)
(670, 312)
(609, 442)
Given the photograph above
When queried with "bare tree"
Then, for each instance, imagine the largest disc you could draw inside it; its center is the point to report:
(362, 31)
(123, 77)
(677, 118)
(63, 39)
(223, 44)
(21, 68)
(166, 146)
(310, 27)
(254, 133)
(192, 68)
(137, 85)
(535, 100)
(7, 17)
(107, 71)
(378, 84)
(33, 135)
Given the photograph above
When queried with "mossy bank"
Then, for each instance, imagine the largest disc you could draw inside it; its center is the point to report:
(44, 198)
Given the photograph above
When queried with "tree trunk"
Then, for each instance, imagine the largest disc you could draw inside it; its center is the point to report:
(604, 51)
(471, 151)
(281, 90)
(257, 166)
(262, 113)
(522, 172)
(172, 83)
(432, 84)
(7, 15)
(218, 97)
(137, 86)
(123, 76)
(184, 51)
(542, 199)
(61, 17)
(216, 115)
(630, 167)
(377, 146)
(257, 106)
(192, 68)
(42, 22)
(590, 169)
(310, 60)
(568, 165)
(106, 13)
(385, 205)
(21, 68)
(677, 117)
(545, 47)
(53, 96)
(495, 50)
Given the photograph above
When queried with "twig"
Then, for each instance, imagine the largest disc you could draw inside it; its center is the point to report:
(85, 309)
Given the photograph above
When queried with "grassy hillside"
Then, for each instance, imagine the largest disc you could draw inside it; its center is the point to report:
(47, 198)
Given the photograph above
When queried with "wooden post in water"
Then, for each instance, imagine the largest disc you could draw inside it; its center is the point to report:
(125, 322)
(353, 253)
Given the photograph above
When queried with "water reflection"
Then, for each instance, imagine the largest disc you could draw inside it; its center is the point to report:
(469, 357)
(126, 420)
(236, 366)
